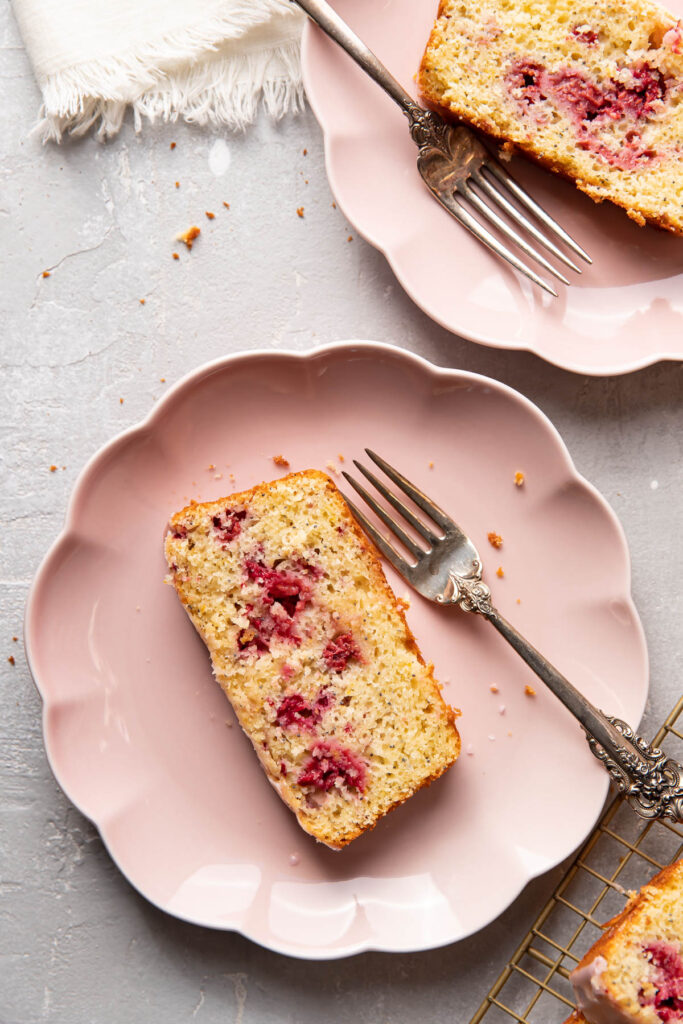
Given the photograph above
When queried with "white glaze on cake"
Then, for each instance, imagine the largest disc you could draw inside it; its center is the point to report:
(591, 995)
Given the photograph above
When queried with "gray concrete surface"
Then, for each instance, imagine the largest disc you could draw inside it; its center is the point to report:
(77, 944)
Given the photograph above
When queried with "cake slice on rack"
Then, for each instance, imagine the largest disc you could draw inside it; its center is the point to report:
(633, 974)
(313, 650)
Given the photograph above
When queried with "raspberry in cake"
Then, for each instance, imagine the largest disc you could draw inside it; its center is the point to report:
(592, 91)
(634, 972)
(312, 648)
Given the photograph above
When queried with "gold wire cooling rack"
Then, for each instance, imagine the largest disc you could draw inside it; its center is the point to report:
(622, 853)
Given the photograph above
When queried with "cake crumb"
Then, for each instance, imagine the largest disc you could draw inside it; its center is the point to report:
(15, 639)
(176, 256)
(519, 479)
(11, 659)
(519, 600)
(280, 460)
(141, 301)
(493, 688)
(332, 468)
(120, 401)
(210, 467)
(189, 236)
(305, 152)
(430, 464)
(294, 858)
(218, 476)
(350, 238)
(209, 215)
(495, 540)
(226, 205)
(53, 468)
(177, 184)
(529, 691)
(501, 709)
(300, 211)
(162, 380)
(172, 146)
(46, 273)
(500, 572)
(340, 457)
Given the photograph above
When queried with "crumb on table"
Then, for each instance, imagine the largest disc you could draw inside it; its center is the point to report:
(495, 540)
(529, 691)
(209, 215)
(11, 659)
(280, 460)
(299, 211)
(176, 256)
(162, 380)
(189, 236)
(177, 184)
(500, 572)
(519, 479)
(350, 238)
(226, 205)
(120, 401)
(46, 273)
(53, 468)
(141, 301)
(305, 152)
(172, 146)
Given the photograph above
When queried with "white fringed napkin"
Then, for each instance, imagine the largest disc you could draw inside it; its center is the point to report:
(207, 61)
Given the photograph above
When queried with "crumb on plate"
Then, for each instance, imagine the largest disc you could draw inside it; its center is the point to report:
(493, 688)
(280, 460)
(529, 691)
(519, 479)
(500, 572)
(495, 540)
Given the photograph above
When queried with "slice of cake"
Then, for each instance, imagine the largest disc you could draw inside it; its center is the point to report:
(591, 90)
(312, 648)
(634, 972)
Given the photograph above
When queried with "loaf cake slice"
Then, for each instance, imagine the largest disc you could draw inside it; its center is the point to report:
(312, 648)
(591, 90)
(633, 974)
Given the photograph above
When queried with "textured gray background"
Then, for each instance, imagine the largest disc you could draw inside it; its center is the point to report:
(77, 944)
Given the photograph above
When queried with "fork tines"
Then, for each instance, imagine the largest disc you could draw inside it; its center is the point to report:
(426, 532)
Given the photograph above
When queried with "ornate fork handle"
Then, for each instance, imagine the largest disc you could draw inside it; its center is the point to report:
(650, 780)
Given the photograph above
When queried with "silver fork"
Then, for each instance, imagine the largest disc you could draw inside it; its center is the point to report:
(447, 569)
(452, 161)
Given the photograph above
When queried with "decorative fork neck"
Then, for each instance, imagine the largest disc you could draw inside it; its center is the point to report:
(651, 781)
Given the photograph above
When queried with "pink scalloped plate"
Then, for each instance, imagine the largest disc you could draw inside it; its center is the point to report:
(625, 312)
(142, 740)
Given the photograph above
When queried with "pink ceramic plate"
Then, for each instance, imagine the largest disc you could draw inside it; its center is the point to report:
(624, 313)
(139, 735)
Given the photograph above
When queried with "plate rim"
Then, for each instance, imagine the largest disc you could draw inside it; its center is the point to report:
(310, 32)
(69, 530)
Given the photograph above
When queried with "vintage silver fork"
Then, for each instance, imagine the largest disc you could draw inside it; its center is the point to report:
(458, 170)
(447, 569)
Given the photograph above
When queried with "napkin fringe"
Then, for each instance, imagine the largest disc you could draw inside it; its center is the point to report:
(222, 92)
